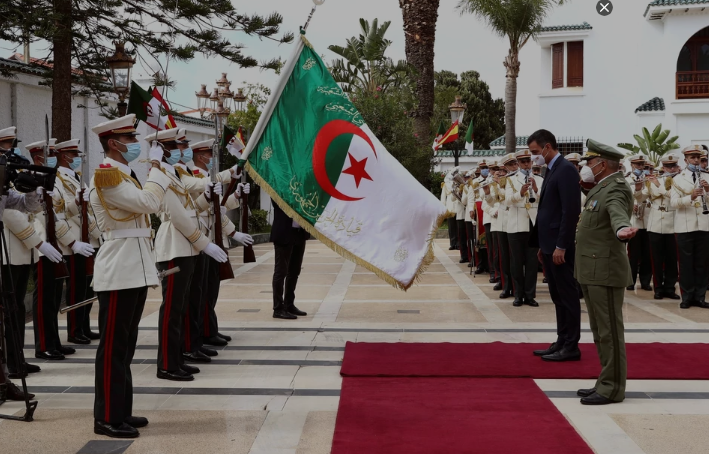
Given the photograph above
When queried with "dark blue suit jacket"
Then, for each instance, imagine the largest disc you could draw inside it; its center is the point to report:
(559, 208)
(282, 231)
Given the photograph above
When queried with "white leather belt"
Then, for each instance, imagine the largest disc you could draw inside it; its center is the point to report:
(61, 217)
(126, 233)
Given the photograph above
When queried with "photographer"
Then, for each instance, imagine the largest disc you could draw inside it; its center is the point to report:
(24, 203)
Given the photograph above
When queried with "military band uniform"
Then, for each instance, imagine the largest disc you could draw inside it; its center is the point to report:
(639, 246)
(487, 211)
(460, 225)
(692, 233)
(661, 232)
(495, 200)
(447, 199)
(468, 200)
(124, 268)
(603, 271)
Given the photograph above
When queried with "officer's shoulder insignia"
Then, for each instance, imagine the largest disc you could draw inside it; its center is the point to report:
(107, 176)
(619, 180)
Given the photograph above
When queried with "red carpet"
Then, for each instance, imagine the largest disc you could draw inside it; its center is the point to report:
(497, 359)
(451, 416)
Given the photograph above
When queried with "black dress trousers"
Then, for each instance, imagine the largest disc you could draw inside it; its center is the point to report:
(565, 296)
(289, 260)
(76, 288)
(503, 256)
(118, 317)
(524, 266)
(194, 315)
(18, 275)
(492, 258)
(663, 249)
(453, 232)
(175, 296)
(692, 250)
(639, 256)
(45, 306)
(210, 324)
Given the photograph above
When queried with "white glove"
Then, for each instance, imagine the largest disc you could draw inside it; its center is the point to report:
(243, 238)
(208, 190)
(40, 191)
(81, 248)
(218, 188)
(241, 187)
(156, 152)
(216, 253)
(77, 198)
(223, 209)
(49, 252)
(235, 172)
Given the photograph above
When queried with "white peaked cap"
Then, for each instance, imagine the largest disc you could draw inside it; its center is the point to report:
(8, 133)
(205, 144)
(119, 126)
(69, 145)
(166, 135)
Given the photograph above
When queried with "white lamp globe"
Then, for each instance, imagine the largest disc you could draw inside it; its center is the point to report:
(318, 2)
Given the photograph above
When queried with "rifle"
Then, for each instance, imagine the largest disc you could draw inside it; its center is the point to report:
(84, 206)
(225, 269)
(249, 256)
(60, 269)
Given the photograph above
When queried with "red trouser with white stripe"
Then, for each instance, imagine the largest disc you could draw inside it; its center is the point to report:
(175, 300)
(118, 317)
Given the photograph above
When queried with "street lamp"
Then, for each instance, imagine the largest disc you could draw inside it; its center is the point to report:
(214, 99)
(225, 96)
(120, 64)
(202, 100)
(223, 81)
(239, 100)
(220, 114)
(457, 110)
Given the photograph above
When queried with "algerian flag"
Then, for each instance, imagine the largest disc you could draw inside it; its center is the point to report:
(439, 135)
(317, 159)
(469, 137)
(150, 107)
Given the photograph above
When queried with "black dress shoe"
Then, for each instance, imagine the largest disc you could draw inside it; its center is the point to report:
(189, 369)
(284, 315)
(480, 271)
(92, 335)
(702, 304)
(52, 355)
(16, 393)
(215, 341)
(596, 399)
(224, 336)
(178, 375)
(208, 351)
(452, 248)
(115, 431)
(671, 295)
(531, 302)
(564, 355)
(647, 288)
(658, 296)
(630, 287)
(463, 261)
(685, 304)
(497, 286)
(66, 350)
(295, 311)
(32, 368)
(504, 295)
(554, 347)
(517, 302)
(585, 392)
(492, 280)
(545, 281)
(136, 421)
(470, 265)
(79, 339)
(29, 368)
(197, 357)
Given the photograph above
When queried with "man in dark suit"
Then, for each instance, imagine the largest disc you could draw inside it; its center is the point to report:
(289, 241)
(555, 231)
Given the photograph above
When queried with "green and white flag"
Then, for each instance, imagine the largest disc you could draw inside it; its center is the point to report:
(470, 137)
(317, 159)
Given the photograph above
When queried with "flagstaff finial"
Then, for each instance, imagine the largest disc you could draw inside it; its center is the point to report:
(312, 11)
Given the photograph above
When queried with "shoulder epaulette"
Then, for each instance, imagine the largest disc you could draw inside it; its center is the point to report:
(668, 183)
(620, 180)
(182, 172)
(107, 177)
(443, 184)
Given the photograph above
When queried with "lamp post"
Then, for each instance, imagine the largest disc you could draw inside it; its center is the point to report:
(120, 65)
(457, 110)
(202, 100)
(239, 100)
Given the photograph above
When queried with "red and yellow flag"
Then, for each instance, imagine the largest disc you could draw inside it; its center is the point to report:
(450, 136)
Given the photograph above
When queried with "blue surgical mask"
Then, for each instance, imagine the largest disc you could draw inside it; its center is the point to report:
(17, 151)
(187, 155)
(75, 163)
(174, 158)
(485, 172)
(637, 172)
(132, 151)
(525, 172)
(646, 172)
(210, 164)
(693, 168)
(51, 162)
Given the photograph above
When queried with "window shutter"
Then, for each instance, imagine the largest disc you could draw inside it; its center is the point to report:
(557, 65)
(574, 71)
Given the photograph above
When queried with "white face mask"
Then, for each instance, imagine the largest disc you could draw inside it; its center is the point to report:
(538, 159)
(587, 175)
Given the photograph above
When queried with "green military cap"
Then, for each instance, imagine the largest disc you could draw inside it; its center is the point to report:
(599, 150)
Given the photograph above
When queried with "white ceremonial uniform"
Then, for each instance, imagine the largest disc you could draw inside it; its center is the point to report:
(662, 216)
(126, 259)
(641, 213)
(21, 237)
(71, 184)
(518, 207)
(688, 212)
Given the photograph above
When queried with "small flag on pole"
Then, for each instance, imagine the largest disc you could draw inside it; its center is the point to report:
(449, 136)
(150, 107)
(470, 137)
(439, 135)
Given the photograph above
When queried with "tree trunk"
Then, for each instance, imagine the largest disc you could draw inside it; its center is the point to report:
(61, 81)
(420, 18)
(512, 65)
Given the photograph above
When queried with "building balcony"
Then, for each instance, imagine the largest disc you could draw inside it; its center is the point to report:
(692, 84)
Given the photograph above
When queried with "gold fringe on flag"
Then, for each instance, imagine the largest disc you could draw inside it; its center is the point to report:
(423, 266)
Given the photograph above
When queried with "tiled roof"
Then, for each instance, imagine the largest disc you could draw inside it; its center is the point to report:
(673, 3)
(500, 141)
(655, 104)
(18, 66)
(468, 154)
(563, 28)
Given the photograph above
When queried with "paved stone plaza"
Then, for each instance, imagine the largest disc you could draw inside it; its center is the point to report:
(275, 388)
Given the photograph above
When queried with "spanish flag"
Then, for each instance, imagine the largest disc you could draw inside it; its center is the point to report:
(450, 136)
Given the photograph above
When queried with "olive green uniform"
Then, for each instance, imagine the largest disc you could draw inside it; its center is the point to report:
(603, 270)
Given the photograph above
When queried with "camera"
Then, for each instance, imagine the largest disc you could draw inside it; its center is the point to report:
(23, 176)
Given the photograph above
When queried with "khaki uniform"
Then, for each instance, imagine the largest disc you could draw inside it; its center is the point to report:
(602, 269)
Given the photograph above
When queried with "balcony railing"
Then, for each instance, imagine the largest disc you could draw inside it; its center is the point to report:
(692, 84)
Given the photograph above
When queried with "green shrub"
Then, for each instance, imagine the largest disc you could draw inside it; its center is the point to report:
(258, 222)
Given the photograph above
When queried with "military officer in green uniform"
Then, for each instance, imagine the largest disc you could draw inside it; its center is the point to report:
(602, 266)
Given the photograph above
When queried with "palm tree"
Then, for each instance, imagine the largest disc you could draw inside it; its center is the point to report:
(363, 64)
(518, 20)
(654, 145)
(420, 18)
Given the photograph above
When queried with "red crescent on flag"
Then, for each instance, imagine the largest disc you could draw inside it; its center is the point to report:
(327, 134)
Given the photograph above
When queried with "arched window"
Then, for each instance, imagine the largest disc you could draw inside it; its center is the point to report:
(693, 67)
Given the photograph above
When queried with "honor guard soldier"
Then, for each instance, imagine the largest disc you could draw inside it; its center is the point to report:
(178, 243)
(77, 285)
(521, 199)
(661, 230)
(688, 199)
(495, 198)
(123, 270)
(602, 269)
(448, 200)
(48, 287)
(468, 219)
(487, 175)
(639, 246)
(481, 174)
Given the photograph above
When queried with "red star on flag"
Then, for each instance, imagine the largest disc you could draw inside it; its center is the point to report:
(357, 169)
